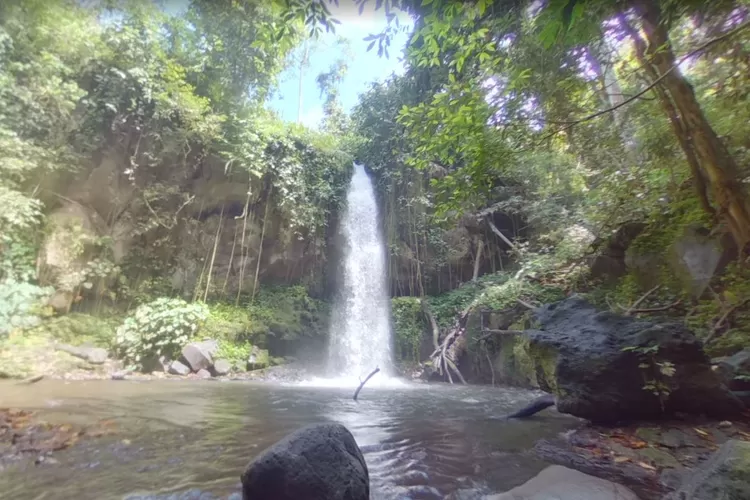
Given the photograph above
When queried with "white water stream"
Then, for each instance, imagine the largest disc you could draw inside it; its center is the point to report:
(360, 327)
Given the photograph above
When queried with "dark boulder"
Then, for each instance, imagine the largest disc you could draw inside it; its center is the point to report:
(735, 370)
(317, 462)
(595, 376)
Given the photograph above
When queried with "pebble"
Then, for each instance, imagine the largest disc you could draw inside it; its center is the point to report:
(724, 424)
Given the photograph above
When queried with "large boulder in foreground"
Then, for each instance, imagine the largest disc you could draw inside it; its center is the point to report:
(588, 364)
(317, 462)
(724, 476)
(560, 483)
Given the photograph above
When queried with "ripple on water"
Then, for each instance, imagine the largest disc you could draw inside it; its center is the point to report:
(192, 440)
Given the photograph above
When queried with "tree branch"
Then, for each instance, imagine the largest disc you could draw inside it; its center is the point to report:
(362, 384)
(653, 84)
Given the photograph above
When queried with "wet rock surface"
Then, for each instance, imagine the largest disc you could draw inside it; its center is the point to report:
(597, 370)
(650, 459)
(317, 462)
(560, 483)
(726, 475)
(199, 355)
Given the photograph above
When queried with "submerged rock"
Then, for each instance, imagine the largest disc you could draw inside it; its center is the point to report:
(199, 355)
(178, 368)
(725, 476)
(584, 357)
(560, 483)
(317, 462)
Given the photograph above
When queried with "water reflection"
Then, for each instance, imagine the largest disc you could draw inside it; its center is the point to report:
(418, 441)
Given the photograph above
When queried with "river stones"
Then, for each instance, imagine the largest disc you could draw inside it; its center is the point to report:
(199, 355)
(178, 368)
(317, 462)
(560, 483)
(221, 367)
(594, 364)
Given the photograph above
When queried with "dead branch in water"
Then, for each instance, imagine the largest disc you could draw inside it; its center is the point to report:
(362, 384)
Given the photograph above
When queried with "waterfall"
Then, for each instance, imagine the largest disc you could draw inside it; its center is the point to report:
(360, 337)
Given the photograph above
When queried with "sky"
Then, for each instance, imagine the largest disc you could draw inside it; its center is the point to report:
(363, 67)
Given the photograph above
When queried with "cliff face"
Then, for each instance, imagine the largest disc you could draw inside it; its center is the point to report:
(199, 231)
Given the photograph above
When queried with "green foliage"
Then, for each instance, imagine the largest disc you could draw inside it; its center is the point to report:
(78, 328)
(656, 372)
(289, 313)
(21, 305)
(159, 328)
(236, 353)
(227, 322)
(409, 326)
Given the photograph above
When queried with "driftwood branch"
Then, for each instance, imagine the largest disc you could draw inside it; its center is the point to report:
(433, 324)
(453, 367)
(490, 333)
(500, 235)
(643, 297)
(720, 322)
(362, 384)
(526, 304)
(656, 309)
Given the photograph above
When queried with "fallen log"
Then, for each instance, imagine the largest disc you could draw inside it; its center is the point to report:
(362, 384)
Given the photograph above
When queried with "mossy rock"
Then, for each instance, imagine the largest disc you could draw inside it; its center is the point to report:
(535, 364)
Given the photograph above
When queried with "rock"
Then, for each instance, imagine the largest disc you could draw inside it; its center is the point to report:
(258, 359)
(221, 367)
(178, 368)
(659, 458)
(725, 424)
(203, 374)
(317, 462)
(579, 353)
(724, 476)
(734, 370)
(94, 355)
(610, 263)
(699, 256)
(560, 483)
(199, 355)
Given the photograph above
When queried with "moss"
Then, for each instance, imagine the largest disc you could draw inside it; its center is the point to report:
(78, 329)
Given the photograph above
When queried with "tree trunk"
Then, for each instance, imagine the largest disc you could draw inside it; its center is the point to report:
(720, 167)
(678, 127)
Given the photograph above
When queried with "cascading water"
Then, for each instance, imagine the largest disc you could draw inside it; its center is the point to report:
(360, 326)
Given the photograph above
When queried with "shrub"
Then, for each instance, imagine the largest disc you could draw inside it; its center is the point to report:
(236, 354)
(409, 326)
(20, 305)
(158, 328)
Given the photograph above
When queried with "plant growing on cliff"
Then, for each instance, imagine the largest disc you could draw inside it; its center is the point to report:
(409, 326)
(158, 328)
